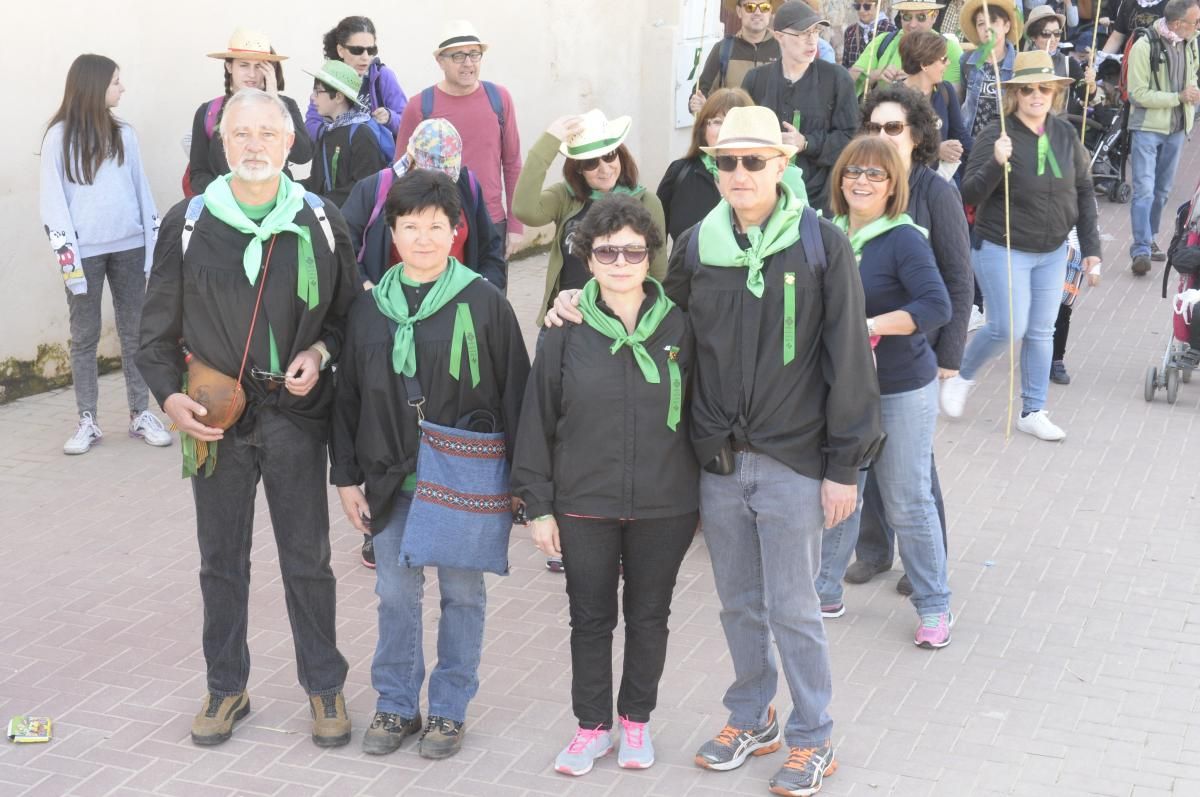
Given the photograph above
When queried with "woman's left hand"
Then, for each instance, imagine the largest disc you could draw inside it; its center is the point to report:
(269, 83)
(1089, 77)
(1093, 276)
(381, 115)
(950, 151)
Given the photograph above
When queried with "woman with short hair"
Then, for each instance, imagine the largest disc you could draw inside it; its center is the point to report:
(923, 59)
(353, 41)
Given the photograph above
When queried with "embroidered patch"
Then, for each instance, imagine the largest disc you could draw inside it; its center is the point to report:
(464, 446)
(467, 502)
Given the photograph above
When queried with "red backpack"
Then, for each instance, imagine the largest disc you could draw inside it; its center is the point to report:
(210, 126)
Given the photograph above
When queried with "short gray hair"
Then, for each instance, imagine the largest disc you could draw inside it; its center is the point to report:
(260, 97)
(1176, 10)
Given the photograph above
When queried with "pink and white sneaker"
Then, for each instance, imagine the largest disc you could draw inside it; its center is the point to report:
(934, 631)
(578, 757)
(637, 751)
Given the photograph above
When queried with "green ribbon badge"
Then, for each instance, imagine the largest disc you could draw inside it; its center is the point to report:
(676, 407)
(789, 317)
(464, 330)
(1045, 153)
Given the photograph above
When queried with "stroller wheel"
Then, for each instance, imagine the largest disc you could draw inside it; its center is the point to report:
(1151, 383)
(1186, 375)
(1120, 193)
(1172, 385)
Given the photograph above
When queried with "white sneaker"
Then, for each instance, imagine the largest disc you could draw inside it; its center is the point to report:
(86, 434)
(1040, 426)
(578, 757)
(977, 319)
(148, 427)
(637, 751)
(954, 395)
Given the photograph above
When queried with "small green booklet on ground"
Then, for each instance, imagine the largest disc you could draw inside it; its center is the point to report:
(29, 729)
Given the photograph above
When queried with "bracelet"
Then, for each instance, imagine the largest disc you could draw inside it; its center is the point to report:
(320, 348)
(542, 517)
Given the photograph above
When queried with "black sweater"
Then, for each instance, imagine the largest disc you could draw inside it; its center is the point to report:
(1043, 209)
(594, 439)
(344, 155)
(374, 436)
(687, 192)
(206, 161)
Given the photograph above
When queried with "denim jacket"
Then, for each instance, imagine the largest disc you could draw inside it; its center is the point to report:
(974, 76)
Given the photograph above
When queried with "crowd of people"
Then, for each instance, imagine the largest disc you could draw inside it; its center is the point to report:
(759, 349)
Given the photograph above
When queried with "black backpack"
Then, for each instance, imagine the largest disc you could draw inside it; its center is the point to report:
(1181, 257)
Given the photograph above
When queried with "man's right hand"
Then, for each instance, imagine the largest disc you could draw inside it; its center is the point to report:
(696, 101)
(566, 308)
(1190, 95)
(183, 411)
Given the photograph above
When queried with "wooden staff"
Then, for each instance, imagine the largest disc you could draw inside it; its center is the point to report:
(874, 54)
(1087, 87)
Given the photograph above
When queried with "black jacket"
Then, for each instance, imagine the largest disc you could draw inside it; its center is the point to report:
(594, 439)
(829, 116)
(819, 415)
(934, 204)
(1043, 209)
(374, 436)
(484, 253)
(687, 192)
(205, 299)
(342, 157)
(206, 161)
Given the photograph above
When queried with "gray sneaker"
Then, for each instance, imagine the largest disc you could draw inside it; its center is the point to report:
(804, 771)
(637, 751)
(442, 738)
(578, 757)
(732, 745)
(388, 731)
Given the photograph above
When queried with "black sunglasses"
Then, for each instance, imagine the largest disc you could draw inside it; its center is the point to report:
(891, 128)
(921, 17)
(873, 173)
(267, 376)
(591, 164)
(862, 6)
(372, 50)
(607, 253)
(751, 163)
(1029, 91)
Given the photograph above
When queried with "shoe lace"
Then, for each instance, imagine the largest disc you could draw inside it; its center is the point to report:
(584, 737)
(329, 705)
(385, 720)
(728, 735)
(634, 732)
(799, 757)
(148, 420)
(444, 725)
(87, 425)
(932, 621)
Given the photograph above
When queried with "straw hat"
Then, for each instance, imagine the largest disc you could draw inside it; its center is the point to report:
(1041, 12)
(966, 20)
(600, 136)
(248, 45)
(750, 128)
(342, 77)
(1034, 66)
(458, 33)
(918, 5)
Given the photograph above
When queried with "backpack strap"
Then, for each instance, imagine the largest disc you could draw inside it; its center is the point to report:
(497, 103)
(814, 247)
(190, 217)
(318, 207)
(210, 116)
(725, 54)
(426, 103)
(883, 45)
(381, 191)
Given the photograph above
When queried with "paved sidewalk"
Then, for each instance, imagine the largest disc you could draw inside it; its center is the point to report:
(1073, 671)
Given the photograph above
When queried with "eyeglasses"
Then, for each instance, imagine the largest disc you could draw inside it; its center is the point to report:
(812, 33)
(873, 174)
(921, 17)
(372, 50)
(716, 121)
(607, 254)
(321, 88)
(891, 128)
(1048, 34)
(474, 56)
(591, 164)
(751, 163)
(750, 8)
(1028, 90)
(862, 6)
(268, 376)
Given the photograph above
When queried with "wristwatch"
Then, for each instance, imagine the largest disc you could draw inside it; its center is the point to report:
(870, 327)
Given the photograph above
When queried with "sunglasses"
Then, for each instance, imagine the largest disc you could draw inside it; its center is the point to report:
(891, 128)
(750, 8)
(751, 163)
(607, 254)
(372, 50)
(1029, 91)
(873, 174)
(1048, 34)
(862, 6)
(267, 376)
(921, 17)
(591, 164)
(474, 55)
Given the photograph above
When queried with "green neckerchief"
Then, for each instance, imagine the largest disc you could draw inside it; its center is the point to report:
(611, 327)
(636, 191)
(710, 163)
(257, 213)
(389, 298)
(1045, 153)
(864, 235)
(793, 178)
(196, 453)
(719, 246)
(219, 200)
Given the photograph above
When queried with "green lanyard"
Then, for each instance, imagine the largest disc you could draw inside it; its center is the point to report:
(789, 317)
(464, 329)
(676, 407)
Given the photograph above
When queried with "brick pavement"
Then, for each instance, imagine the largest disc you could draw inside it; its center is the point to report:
(1073, 669)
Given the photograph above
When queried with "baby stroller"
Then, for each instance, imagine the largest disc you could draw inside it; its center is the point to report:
(1182, 355)
(1107, 136)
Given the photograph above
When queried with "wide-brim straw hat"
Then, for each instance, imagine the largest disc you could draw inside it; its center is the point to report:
(1034, 66)
(600, 136)
(1038, 13)
(917, 5)
(750, 128)
(966, 20)
(248, 45)
(459, 33)
(341, 76)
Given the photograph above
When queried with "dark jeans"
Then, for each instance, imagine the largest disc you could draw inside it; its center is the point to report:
(876, 539)
(1062, 328)
(291, 465)
(594, 552)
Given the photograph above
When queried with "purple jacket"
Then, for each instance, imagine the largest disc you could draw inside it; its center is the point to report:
(380, 89)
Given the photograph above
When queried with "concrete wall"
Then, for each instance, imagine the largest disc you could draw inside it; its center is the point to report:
(555, 57)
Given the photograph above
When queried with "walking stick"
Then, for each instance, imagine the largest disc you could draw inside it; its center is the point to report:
(1087, 87)
(874, 55)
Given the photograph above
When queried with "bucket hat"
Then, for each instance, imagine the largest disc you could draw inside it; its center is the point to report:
(966, 20)
(248, 45)
(600, 136)
(340, 76)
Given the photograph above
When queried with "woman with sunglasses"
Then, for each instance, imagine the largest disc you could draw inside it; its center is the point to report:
(903, 118)
(1044, 30)
(905, 300)
(923, 58)
(1049, 171)
(605, 467)
(353, 42)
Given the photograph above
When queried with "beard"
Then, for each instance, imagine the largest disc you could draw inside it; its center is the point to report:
(255, 173)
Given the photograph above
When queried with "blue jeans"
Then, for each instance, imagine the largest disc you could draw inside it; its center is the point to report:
(876, 538)
(398, 669)
(1154, 157)
(1037, 285)
(763, 526)
(902, 475)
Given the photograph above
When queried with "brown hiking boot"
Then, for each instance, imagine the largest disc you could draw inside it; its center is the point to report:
(214, 724)
(331, 723)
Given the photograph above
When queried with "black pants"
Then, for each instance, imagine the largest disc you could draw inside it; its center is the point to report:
(291, 465)
(1062, 328)
(594, 551)
(876, 539)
